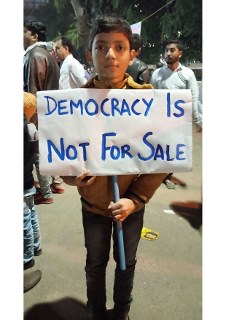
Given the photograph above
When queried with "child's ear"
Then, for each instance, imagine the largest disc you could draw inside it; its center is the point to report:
(132, 56)
(89, 58)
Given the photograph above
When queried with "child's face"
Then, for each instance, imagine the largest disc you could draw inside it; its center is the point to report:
(111, 56)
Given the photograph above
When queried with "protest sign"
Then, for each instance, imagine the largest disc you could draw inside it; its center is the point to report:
(114, 132)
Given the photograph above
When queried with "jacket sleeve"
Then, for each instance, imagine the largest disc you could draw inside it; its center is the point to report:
(37, 73)
(144, 187)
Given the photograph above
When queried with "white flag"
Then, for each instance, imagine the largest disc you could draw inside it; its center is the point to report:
(136, 27)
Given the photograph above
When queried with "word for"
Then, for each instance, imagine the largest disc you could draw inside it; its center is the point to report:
(115, 152)
(110, 107)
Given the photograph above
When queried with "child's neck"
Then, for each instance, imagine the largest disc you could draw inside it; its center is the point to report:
(113, 84)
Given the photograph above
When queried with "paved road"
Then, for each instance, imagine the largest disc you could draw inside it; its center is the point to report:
(168, 282)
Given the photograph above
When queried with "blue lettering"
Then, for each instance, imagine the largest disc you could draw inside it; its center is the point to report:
(102, 108)
(168, 153)
(125, 151)
(60, 153)
(104, 147)
(92, 101)
(159, 152)
(114, 105)
(133, 105)
(73, 151)
(149, 145)
(48, 105)
(168, 105)
(84, 145)
(61, 107)
(177, 115)
(115, 152)
(76, 105)
(125, 108)
(148, 104)
(178, 152)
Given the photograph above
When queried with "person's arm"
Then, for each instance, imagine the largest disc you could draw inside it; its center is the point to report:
(77, 74)
(193, 85)
(153, 79)
(81, 180)
(144, 187)
(139, 193)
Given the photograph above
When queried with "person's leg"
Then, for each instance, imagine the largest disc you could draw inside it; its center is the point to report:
(57, 185)
(123, 286)
(97, 232)
(35, 227)
(27, 227)
(45, 191)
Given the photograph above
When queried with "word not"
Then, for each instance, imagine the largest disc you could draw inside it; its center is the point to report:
(115, 152)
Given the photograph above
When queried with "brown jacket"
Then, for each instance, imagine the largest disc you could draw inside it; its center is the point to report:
(41, 71)
(138, 187)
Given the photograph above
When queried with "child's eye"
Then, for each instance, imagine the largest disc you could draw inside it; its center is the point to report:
(120, 48)
(100, 47)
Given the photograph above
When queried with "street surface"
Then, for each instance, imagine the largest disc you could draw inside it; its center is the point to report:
(168, 279)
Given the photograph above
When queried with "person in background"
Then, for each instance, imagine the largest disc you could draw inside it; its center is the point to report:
(41, 72)
(138, 69)
(32, 237)
(110, 52)
(72, 72)
(175, 76)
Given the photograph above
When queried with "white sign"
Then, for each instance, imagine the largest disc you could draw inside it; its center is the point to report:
(114, 132)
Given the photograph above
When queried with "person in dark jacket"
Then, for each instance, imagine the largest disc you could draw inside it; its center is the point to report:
(138, 70)
(32, 238)
(41, 72)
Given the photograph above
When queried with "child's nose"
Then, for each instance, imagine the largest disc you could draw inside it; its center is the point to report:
(110, 54)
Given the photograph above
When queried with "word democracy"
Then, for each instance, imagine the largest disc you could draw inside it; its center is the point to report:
(110, 107)
(116, 152)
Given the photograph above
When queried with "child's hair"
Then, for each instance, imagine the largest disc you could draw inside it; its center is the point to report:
(108, 24)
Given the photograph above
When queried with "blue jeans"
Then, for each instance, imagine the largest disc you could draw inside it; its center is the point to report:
(98, 231)
(32, 239)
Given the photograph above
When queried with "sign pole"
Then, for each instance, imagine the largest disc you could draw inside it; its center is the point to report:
(119, 226)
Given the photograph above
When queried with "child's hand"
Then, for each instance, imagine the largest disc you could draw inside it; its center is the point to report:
(121, 209)
(82, 180)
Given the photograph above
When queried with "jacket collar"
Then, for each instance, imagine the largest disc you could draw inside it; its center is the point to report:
(36, 44)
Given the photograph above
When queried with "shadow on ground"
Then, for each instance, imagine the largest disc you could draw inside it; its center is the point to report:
(64, 309)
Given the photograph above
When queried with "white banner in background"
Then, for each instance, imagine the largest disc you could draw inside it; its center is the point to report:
(136, 27)
(114, 132)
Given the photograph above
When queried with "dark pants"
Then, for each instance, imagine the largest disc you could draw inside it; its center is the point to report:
(98, 232)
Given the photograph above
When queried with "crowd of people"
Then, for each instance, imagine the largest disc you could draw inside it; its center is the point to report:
(113, 58)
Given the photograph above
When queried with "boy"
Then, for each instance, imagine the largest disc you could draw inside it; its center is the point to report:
(110, 53)
(138, 69)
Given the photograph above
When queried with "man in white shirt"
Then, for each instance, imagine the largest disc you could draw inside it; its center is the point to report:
(175, 76)
(72, 73)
